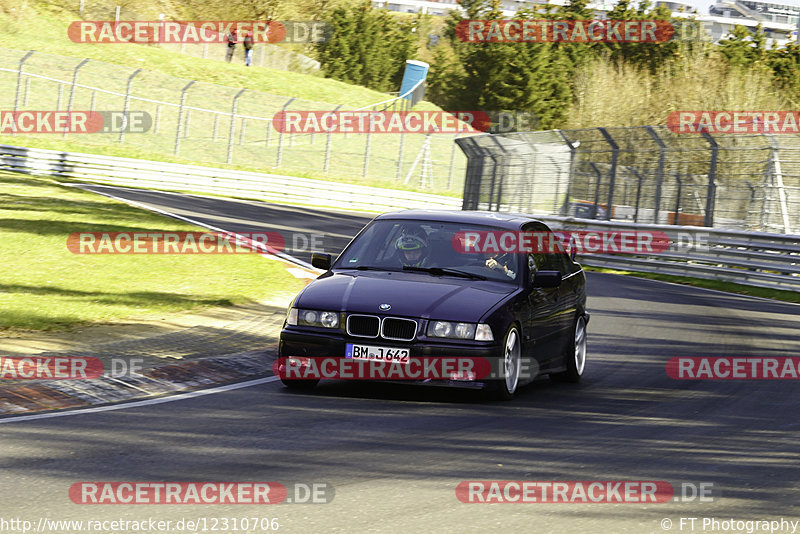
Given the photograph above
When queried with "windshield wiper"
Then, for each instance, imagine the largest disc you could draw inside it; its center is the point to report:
(439, 271)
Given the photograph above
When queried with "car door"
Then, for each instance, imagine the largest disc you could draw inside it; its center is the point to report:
(544, 306)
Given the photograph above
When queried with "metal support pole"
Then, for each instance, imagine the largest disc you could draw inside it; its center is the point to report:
(638, 192)
(400, 156)
(677, 198)
(662, 148)
(19, 79)
(711, 189)
(127, 103)
(452, 164)
(214, 128)
(232, 129)
(328, 146)
(596, 189)
(92, 101)
(72, 89)
(572, 151)
(366, 155)
(777, 173)
(242, 131)
(186, 123)
(60, 96)
(27, 92)
(180, 117)
(280, 134)
(612, 174)
(157, 120)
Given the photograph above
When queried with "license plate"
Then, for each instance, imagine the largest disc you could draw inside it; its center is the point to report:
(383, 354)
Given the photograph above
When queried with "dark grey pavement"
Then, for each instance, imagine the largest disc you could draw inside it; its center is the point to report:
(396, 453)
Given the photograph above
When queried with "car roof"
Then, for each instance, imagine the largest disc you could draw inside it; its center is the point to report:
(487, 218)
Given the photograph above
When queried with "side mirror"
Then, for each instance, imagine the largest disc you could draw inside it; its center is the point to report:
(547, 279)
(321, 261)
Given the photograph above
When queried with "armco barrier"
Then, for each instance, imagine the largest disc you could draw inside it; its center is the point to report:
(750, 258)
(192, 178)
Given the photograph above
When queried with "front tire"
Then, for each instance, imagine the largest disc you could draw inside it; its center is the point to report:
(506, 387)
(574, 355)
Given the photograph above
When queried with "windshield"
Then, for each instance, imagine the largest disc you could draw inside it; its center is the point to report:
(426, 247)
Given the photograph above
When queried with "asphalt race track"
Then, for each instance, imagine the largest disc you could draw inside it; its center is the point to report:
(395, 453)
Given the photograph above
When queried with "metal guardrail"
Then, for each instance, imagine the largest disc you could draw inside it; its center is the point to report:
(192, 178)
(750, 258)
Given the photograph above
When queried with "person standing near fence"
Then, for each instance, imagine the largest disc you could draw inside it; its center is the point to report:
(232, 38)
(248, 48)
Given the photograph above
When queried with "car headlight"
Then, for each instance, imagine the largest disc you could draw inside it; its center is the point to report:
(484, 333)
(451, 330)
(325, 319)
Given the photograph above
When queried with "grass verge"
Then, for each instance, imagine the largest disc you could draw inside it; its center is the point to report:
(44, 286)
(719, 285)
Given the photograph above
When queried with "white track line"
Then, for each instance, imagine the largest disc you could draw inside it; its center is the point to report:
(138, 404)
(270, 252)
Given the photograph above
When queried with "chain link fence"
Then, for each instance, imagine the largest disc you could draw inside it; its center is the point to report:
(639, 174)
(215, 124)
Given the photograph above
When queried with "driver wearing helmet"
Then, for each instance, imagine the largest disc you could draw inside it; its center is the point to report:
(412, 250)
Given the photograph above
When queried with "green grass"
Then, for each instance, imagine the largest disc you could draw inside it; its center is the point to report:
(719, 285)
(167, 71)
(44, 286)
(47, 33)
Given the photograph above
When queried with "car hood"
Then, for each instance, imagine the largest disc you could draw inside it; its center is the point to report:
(408, 294)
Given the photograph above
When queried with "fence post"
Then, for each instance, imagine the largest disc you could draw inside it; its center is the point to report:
(678, 198)
(92, 101)
(19, 79)
(662, 154)
(214, 129)
(186, 123)
(366, 154)
(27, 91)
(777, 174)
(572, 151)
(452, 163)
(60, 96)
(280, 134)
(328, 146)
(400, 155)
(72, 89)
(711, 189)
(232, 130)
(596, 189)
(157, 119)
(180, 117)
(612, 174)
(638, 192)
(127, 102)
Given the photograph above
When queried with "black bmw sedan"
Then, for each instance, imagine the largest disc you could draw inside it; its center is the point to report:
(447, 288)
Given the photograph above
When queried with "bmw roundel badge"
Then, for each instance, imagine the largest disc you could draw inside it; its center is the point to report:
(385, 307)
